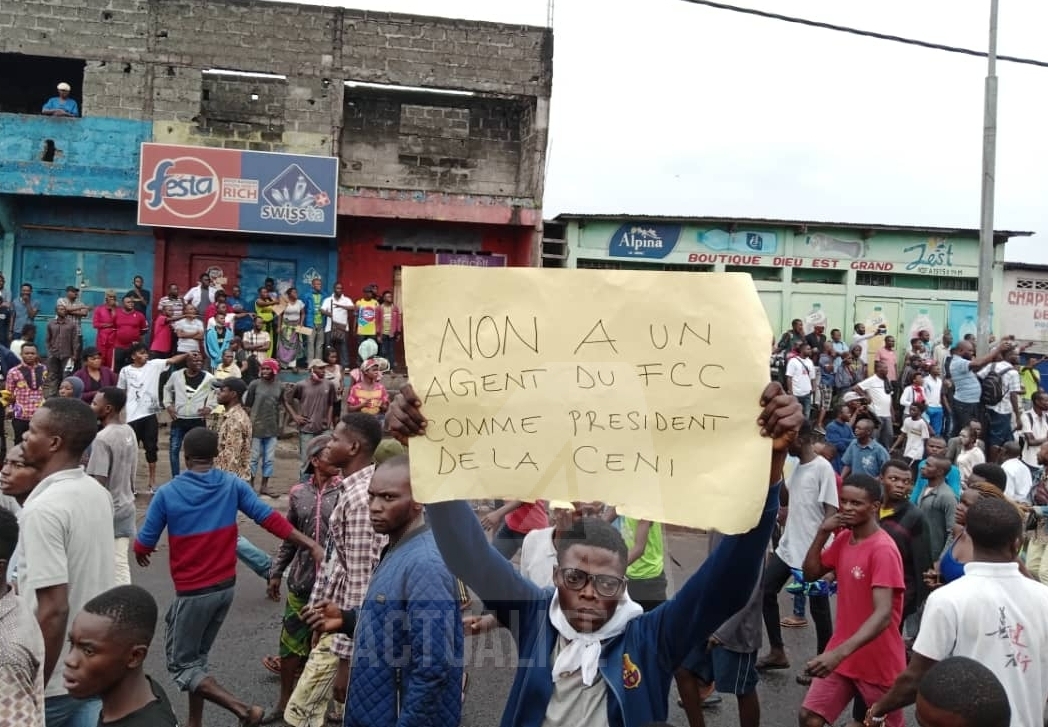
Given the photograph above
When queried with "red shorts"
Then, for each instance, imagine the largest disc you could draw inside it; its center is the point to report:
(829, 697)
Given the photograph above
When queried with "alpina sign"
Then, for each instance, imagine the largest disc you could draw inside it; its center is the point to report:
(644, 241)
(242, 191)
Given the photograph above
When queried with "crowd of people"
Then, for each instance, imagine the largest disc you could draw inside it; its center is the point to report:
(166, 352)
(936, 558)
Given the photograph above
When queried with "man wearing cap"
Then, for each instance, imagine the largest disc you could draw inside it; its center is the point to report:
(310, 505)
(234, 433)
(263, 399)
(839, 432)
(61, 105)
(315, 397)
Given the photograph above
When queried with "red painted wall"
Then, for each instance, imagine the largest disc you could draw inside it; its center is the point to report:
(361, 263)
(175, 250)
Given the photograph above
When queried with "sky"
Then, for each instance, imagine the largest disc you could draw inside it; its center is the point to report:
(663, 107)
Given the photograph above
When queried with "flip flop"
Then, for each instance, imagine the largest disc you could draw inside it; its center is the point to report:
(764, 664)
(271, 663)
(272, 715)
(711, 701)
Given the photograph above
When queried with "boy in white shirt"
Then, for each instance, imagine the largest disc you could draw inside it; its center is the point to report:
(1020, 483)
(915, 432)
(800, 375)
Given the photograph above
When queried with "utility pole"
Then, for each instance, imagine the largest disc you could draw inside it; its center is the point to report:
(989, 171)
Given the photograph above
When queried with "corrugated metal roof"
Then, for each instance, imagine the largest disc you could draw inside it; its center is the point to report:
(969, 232)
(1026, 266)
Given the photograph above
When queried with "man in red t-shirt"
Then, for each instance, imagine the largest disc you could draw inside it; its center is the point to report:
(521, 519)
(866, 653)
(130, 325)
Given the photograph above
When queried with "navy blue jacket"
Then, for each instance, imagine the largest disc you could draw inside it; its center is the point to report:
(637, 666)
(407, 645)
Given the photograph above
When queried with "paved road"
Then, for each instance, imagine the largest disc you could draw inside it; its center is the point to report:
(251, 632)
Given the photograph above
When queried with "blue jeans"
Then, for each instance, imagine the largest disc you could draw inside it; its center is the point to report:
(65, 711)
(266, 448)
(387, 349)
(798, 605)
(179, 427)
(342, 347)
(805, 402)
(254, 557)
(934, 414)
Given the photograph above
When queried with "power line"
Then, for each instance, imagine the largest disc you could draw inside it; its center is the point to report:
(865, 33)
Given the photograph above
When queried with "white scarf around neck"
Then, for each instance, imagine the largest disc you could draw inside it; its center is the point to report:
(583, 650)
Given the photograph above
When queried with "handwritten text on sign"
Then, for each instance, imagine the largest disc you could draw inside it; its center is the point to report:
(637, 389)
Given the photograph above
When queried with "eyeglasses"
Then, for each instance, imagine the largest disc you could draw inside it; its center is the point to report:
(606, 586)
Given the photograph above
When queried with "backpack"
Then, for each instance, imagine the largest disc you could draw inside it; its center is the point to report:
(992, 387)
(1039, 496)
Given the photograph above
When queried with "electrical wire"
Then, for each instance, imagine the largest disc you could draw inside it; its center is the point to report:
(865, 33)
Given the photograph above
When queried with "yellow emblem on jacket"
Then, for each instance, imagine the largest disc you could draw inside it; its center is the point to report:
(630, 673)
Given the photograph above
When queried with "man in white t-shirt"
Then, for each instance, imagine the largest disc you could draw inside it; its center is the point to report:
(1020, 483)
(800, 373)
(336, 309)
(189, 330)
(1003, 417)
(878, 390)
(141, 380)
(812, 488)
(993, 614)
(66, 542)
(202, 295)
(862, 339)
(1035, 429)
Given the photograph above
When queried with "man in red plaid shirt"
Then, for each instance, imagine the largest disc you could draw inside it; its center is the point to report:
(353, 551)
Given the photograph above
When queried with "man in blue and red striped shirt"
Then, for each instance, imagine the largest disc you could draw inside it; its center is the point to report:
(199, 509)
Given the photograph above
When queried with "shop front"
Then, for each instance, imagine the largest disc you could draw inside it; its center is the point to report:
(906, 278)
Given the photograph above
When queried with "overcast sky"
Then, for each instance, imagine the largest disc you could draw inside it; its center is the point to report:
(665, 107)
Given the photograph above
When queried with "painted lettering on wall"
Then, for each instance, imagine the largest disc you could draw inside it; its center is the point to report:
(936, 253)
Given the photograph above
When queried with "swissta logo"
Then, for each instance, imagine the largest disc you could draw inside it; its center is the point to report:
(186, 187)
(293, 197)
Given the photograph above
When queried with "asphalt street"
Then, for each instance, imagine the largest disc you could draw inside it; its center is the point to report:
(250, 632)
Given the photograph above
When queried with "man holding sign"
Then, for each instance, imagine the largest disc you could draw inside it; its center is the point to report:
(611, 664)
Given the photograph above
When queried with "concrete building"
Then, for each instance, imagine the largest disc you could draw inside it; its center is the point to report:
(836, 274)
(438, 127)
(1024, 310)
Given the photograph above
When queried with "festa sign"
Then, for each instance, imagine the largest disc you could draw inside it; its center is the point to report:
(242, 191)
(574, 385)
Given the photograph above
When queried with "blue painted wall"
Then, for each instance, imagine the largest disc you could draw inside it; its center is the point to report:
(295, 260)
(94, 157)
(54, 239)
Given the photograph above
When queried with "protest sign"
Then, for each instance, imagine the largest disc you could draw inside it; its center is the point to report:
(639, 389)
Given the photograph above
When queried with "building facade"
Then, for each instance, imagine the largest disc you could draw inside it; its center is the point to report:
(1025, 305)
(834, 274)
(438, 128)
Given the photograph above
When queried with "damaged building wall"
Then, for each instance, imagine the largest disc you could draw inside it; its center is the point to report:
(465, 145)
(145, 61)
